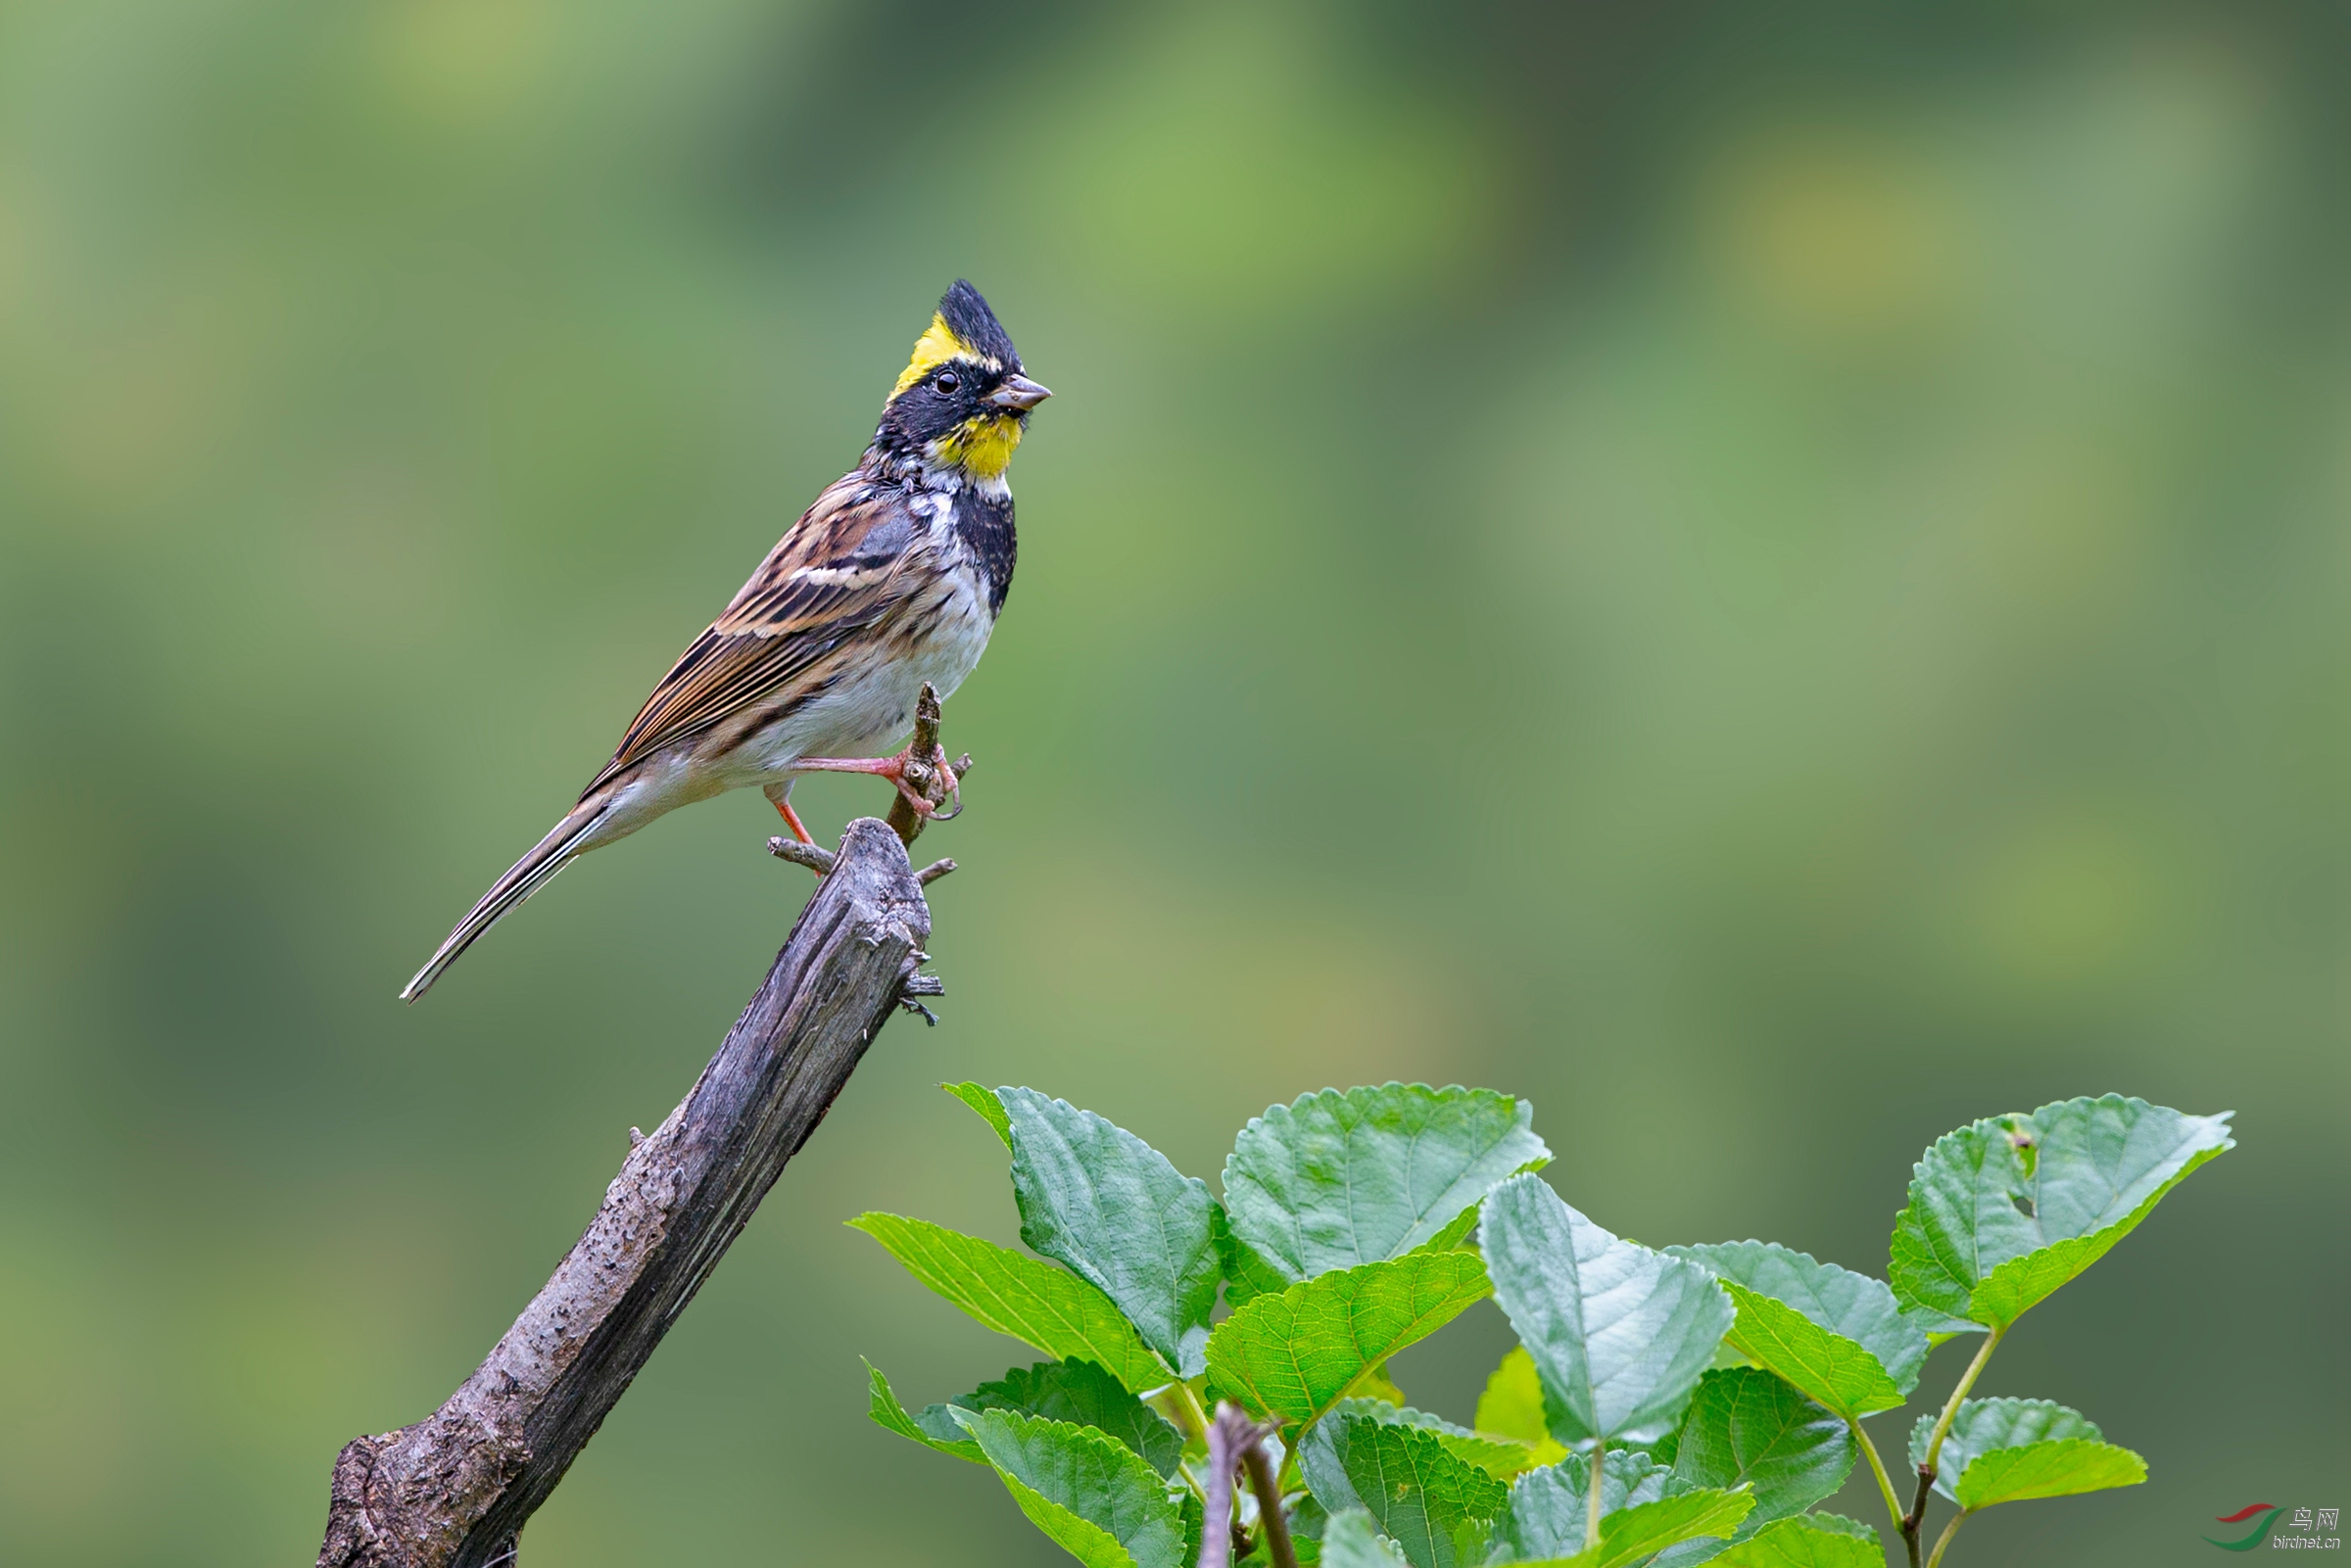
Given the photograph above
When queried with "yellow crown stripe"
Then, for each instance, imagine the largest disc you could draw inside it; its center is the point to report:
(934, 348)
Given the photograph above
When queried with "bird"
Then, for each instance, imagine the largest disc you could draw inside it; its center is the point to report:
(893, 577)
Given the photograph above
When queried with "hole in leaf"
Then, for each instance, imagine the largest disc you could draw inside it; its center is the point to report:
(2024, 1206)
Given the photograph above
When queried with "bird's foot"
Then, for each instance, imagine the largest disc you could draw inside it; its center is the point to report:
(928, 784)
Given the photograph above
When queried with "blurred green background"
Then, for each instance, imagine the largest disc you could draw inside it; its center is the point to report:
(1774, 580)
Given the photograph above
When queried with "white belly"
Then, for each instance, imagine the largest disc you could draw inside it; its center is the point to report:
(870, 712)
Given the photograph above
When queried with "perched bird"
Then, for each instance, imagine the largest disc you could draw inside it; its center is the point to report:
(892, 579)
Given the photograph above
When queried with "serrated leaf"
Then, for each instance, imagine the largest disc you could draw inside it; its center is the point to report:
(1352, 1540)
(1456, 1229)
(882, 1405)
(1852, 1307)
(1433, 1505)
(1829, 1368)
(1635, 1534)
(1500, 1457)
(1981, 1425)
(1342, 1178)
(1058, 1313)
(1746, 1428)
(1813, 1540)
(2004, 1212)
(1619, 1333)
(2057, 1469)
(1322, 1450)
(983, 1101)
(1663, 1446)
(1097, 1198)
(1093, 1495)
(1247, 1276)
(1511, 1406)
(1546, 1511)
(1074, 1391)
(1295, 1354)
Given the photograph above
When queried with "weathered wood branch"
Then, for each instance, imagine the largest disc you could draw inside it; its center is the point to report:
(454, 1490)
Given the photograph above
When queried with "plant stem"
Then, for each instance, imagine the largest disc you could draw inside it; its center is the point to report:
(1877, 1467)
(1182, 1407)
(1951, 1406)
(1195, 1418)
(1945, 1539)
(1592, 1484)
(1270, 1518)
(1918, 1512)
(1910, 1522)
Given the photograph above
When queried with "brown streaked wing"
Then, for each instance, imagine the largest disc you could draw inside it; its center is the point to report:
(838, 570)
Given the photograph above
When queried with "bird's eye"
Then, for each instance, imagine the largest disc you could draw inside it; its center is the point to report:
(947, 381)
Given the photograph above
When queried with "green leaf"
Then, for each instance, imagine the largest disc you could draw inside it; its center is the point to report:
(1646, 1511)
(1093, 1495)
(1747, 1427)
(1296, 1354)
(1636, 1533)
(1619, 1333)
(1456, 1229)
(2057, 1469)
(1833, 1369)
(1662, 1447)
(1097, 1198)
(1078, 1392)
(1511, 1406)
(1500, 1457)
(1547, 1510)
(887, 1413)
(983, 1101)
(1852, 1307)
(2004, 1212)
(2006, 1450)
(1247, 1276)
(1432, 1505)
(1342, 1178)
(1982, 1426)
(1055, 1311)
(1352, 1540)
(1813, 1540)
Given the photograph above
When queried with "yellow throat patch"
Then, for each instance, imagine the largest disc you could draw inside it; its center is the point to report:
(982, 445)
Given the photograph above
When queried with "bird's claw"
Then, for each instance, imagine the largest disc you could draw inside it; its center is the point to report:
(936, 770)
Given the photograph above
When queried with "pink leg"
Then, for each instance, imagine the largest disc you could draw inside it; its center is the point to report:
(891, 768)
(792, 820)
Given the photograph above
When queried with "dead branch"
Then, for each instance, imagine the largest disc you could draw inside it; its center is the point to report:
(454, 1490)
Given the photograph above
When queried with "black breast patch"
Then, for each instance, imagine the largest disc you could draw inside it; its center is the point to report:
(984, 524)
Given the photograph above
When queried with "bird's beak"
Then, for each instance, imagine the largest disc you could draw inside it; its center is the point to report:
(1018, 394)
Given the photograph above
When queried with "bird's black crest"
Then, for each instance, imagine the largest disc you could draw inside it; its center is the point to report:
(968, 317)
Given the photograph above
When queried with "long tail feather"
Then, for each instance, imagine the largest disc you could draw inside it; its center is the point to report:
(523, 878)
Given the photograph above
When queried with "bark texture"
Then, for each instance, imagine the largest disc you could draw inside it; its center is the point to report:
(454, 1490)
